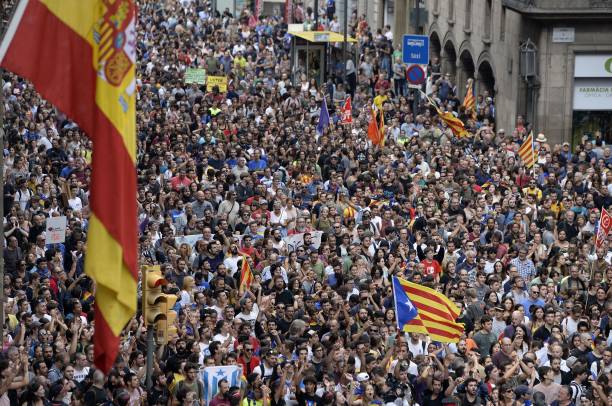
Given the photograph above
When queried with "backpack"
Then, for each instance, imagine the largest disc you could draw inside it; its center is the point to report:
(576, 391)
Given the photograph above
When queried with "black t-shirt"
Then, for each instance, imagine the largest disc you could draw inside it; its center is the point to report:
(427, 400)
(158, 396)
(95, 396)
(304, 399)
(283, 325)
(466, 402)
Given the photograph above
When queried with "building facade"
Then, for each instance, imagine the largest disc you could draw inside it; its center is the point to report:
(547, 60)
(573, 40)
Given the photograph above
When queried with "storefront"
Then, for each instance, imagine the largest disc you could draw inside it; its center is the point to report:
(318, 54)
(592, 97)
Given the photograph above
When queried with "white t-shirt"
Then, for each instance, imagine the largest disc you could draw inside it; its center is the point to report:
(263, 371)
(80, 375)
(231, 263)
(416, 349)
(185, 299)
(251, 317)
(75, 203)
(570, 325)
(278, 218)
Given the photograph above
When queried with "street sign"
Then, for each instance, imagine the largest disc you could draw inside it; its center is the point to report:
(415, 49)
(415, 75)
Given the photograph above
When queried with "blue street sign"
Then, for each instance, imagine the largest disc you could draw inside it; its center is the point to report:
(415, 49)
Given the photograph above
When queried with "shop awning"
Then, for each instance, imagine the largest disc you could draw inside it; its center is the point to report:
(322, 36)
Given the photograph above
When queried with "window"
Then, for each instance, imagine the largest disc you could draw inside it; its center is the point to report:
(468, 14)
(488, 18)
(502, 25)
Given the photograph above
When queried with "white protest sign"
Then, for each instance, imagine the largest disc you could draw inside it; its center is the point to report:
(55, 230)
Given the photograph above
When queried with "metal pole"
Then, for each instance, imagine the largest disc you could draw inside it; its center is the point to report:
(418, 17)
(150, 351)
(316, 15)
(344, 44)
(417, 31)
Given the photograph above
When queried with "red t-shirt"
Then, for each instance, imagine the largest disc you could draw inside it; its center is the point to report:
(432, 267)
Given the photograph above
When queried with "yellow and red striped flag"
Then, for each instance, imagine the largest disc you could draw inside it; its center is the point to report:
(469, 102)
(246, 275)
(527, 151)
(420, 309)
(80, 55)
(454, 123)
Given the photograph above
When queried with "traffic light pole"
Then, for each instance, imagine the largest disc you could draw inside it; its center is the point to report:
(344, 44)
(150, 351)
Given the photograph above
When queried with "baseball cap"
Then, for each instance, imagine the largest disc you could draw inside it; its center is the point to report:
(522, 390)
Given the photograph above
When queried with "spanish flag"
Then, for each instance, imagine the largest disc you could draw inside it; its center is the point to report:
(419, 309)
(246, 275)
(81, 55)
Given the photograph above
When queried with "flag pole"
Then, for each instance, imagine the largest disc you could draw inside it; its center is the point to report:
(532, 157)
(393, 281)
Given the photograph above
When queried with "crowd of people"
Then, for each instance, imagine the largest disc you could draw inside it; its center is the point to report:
(324, 220)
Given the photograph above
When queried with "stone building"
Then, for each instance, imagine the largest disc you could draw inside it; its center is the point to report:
(547, 60)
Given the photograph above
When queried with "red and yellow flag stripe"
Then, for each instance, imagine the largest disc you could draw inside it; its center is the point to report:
(246, 275)
(436, 313)
(527, 151)
(53, 43)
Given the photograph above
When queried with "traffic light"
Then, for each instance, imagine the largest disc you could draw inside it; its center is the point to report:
(152, 294)
(166, 327)
(157, 306)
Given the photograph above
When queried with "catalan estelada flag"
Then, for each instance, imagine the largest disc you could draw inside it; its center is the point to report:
(419, 309)
(527, 151)
(246, 275)
(80, 55)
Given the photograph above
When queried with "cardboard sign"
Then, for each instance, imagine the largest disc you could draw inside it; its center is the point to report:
(220, 81)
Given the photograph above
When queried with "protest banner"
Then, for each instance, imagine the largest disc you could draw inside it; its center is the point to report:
(195, 75)
(55, 230)
(220, 81)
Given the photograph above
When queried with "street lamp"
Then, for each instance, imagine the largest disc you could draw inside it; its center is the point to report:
(529, 72)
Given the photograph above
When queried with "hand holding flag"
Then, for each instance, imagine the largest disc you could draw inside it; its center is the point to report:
(454, 123)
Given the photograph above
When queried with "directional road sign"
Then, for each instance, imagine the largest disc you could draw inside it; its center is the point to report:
(415, 49)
